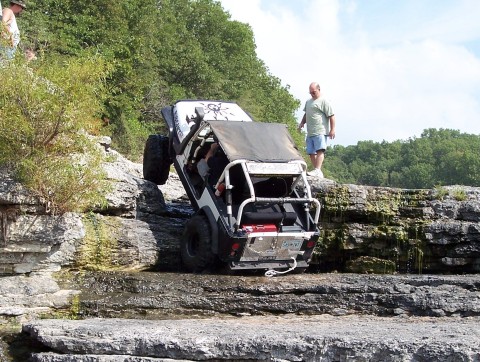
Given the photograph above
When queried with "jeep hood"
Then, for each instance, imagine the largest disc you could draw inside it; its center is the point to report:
(255, 141)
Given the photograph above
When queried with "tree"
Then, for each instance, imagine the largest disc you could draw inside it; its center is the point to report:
(44, 130)
(438, 157)
(160, 51)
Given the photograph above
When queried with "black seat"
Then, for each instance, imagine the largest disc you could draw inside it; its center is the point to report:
(272, 186)
(240, 190)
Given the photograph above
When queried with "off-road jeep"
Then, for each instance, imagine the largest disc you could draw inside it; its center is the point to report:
(259, 213)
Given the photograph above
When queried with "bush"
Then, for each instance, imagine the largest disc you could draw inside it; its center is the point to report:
(46, 114)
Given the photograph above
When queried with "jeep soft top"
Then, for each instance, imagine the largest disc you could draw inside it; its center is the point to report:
(259, 213)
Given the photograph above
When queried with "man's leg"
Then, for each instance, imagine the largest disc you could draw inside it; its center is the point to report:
(316, 149)
(313, 158)
(318, 159)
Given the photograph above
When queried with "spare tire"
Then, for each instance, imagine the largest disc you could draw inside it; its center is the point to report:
(156, 159)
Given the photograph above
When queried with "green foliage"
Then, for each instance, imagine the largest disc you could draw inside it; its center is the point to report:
(160, 51)
(133, 135)
(123, 33)
(5, 37)
(44, 123)
(371, 265)
(438, 157)
(441, 192)
(459, 194)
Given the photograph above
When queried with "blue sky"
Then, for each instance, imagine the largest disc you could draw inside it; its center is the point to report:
(390, 68)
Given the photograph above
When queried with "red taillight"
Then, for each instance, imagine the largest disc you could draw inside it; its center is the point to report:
(235, 248)
(310, 244)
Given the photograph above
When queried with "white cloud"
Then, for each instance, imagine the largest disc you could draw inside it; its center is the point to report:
(384, 83)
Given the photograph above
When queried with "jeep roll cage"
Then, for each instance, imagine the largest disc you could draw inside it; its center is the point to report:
(262, 150)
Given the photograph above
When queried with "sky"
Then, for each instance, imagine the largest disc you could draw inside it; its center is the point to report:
(389, 68)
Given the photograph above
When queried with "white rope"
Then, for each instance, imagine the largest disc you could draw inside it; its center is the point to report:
(271, 273)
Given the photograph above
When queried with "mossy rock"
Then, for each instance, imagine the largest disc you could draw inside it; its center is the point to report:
(370, 265)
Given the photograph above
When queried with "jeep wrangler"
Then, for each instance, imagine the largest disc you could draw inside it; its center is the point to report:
(255, 210)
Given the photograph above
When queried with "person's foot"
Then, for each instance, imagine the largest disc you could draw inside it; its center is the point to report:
(316, 172)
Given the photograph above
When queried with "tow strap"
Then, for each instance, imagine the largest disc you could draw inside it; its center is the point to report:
(271, 273)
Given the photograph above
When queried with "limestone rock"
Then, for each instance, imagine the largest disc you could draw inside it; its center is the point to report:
(40, 243)
(307, 338)
(22, 296)
(131, 193)
(418, 230)
(33, 240)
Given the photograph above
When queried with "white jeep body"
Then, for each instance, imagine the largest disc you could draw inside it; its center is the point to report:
(259, 213)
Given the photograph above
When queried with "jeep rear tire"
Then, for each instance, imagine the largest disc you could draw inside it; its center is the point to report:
(196, 245)
(156, 159)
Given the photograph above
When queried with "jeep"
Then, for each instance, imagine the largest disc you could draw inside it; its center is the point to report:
(255, 210)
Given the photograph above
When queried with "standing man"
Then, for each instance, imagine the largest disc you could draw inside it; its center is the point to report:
(320, 122)
(12, 33)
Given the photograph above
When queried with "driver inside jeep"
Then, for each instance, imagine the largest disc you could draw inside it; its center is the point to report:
(216, 161)
(211, 168)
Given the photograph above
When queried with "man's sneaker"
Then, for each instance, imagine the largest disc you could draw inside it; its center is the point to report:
(316, 172)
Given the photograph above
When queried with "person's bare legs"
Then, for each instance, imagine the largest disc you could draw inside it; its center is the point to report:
(317, 159)
(313, 158)
(317, 162)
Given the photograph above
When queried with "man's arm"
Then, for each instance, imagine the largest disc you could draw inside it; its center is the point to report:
(7, 15)
(331, 134)
(302, 122)
(211, 151)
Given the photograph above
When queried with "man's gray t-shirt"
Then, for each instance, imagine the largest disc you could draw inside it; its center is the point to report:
(318, 111)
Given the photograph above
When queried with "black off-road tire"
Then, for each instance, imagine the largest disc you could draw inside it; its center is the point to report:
(196, 245)
(156, 159)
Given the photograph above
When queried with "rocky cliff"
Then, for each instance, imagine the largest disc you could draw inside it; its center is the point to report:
(364, 229)
(382, 230)
(134, 231)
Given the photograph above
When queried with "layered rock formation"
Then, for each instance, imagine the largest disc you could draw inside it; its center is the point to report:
(364, 228)
(313, 338)
(132, 231)
(413, 231)
(132, 316)
(49, 266)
